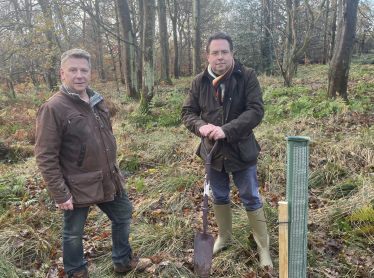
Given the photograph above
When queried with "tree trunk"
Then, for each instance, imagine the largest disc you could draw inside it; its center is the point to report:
(148, 47)
(288, 40)
(50, 64)
(265, 51)
(361, 47)
(16, 10)
(119, 44)
(139, 54)
(189, 45)
(99, 45)
(196, 37)
(345, 39)
(11, 87)
(164, 42)
(113, 61)
(84, 28)
(174, 17)
(181, 27)
(288, 69)
(130, 74)
(62, 23)
(333, 29)
(324, 51)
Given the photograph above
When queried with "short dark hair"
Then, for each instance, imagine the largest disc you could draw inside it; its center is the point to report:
(218, 36)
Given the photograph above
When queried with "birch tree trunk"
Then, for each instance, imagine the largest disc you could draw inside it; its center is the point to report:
(345, 39)
(119, 44)
(130, 74)
(164, 41)
(100, 58)
(196, 37)
(288, 39)
(149, 48)
(333, 29)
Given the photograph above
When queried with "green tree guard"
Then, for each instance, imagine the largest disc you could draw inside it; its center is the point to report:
(297, 198)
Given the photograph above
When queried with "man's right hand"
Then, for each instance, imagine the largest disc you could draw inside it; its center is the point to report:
(206, 130)
(212, 131)
(68, 205)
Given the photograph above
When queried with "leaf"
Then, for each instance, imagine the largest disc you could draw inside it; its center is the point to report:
(180, 188)
(266, 187)
(18, 245)
(156, 259)
(104, 235)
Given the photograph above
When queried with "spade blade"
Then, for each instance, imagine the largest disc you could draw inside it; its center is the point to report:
(203, 252)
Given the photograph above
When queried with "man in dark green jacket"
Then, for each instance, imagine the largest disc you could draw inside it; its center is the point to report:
(225, 103)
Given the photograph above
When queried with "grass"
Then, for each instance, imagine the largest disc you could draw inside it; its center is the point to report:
(164, 183)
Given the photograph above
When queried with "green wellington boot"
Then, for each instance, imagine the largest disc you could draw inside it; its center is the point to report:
(260, 233)
(224, 222)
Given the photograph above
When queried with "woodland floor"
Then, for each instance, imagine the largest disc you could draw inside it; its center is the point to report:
(165, 178)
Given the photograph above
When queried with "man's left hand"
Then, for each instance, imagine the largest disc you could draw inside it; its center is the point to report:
(68, 205)
(217, 133)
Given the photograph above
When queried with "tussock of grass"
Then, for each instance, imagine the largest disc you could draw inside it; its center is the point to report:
(7, 269)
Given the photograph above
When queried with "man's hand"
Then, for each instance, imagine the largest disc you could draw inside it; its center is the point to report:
(212, 131)
(205, 130)
(68, 205)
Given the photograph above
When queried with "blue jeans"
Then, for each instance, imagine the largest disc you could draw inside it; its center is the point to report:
(119, 211)
(246, 182)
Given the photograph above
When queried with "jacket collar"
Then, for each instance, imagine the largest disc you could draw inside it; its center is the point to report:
(95, 97)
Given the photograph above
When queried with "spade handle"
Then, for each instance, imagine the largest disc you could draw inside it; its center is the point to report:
(207, 181)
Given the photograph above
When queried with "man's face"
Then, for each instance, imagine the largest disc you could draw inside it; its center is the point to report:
(76, 74)
(219, 56)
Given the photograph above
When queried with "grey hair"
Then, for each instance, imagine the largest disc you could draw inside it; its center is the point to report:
(75, 53)
(218, 36)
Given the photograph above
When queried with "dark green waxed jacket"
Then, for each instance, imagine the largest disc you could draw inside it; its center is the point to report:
(240, 114)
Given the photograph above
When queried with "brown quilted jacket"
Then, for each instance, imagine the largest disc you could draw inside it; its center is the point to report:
(76, 151)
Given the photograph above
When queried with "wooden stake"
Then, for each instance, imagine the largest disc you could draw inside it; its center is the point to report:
(283, 239)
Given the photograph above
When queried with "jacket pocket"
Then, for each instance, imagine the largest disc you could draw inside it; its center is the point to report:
(82, 154)
(86, 188)
(78, 128)
(249, 149)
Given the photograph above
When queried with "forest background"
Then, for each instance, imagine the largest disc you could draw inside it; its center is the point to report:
(314, 60)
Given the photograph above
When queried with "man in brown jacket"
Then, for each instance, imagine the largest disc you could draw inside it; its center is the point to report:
(225, 103)
(77, 155)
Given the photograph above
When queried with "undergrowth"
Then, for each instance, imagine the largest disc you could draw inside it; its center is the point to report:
(165, 180)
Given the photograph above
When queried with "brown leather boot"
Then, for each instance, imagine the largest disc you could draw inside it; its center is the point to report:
(136, 263)
(81, 274)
